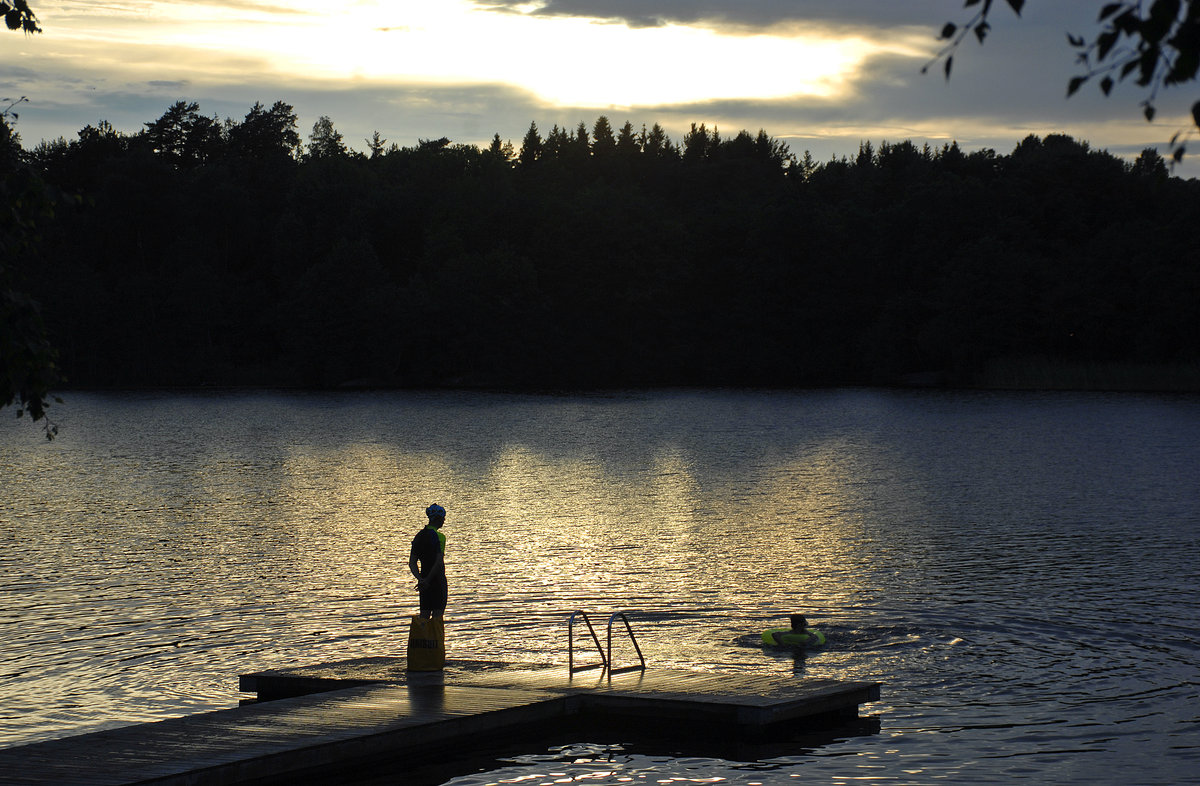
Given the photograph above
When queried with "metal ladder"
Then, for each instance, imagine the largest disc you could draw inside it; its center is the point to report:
(606, 661)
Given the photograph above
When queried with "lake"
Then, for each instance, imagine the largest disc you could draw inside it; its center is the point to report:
(1020, 570)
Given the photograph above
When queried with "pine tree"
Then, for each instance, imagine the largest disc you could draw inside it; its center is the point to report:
(627, 141)
(604, 144)
(531, 146)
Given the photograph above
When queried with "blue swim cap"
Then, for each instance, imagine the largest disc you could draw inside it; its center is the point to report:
(435, 511)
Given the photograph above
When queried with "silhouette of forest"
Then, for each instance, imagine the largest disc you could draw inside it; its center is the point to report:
(207, 252)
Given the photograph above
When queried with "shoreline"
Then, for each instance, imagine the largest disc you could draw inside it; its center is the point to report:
(1115, 377)
(1015, 375)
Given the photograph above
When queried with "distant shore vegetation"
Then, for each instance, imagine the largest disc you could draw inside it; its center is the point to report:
(202, 252)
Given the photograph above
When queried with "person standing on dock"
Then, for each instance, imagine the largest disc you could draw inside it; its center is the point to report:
(426, 560)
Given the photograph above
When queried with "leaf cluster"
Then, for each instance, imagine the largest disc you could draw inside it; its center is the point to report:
(18, 16)
(978, 25)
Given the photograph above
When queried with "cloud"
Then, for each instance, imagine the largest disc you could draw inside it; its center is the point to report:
(759, 15)
(146, 7)
(1042, 26)
(11, 76)
(748, 13)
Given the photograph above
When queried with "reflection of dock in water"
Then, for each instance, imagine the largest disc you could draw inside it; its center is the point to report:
(335, 717)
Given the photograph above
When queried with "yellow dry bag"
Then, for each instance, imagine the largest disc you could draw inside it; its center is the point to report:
(426, 644)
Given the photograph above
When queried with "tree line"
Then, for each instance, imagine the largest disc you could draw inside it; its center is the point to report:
(205, 252)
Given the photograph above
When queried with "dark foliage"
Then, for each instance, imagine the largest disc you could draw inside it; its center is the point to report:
(218, 254)
(28, 361)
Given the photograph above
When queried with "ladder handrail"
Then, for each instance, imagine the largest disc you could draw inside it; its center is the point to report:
(571, 667)
(632, 638)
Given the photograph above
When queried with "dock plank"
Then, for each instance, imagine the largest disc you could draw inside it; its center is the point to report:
(262, 739)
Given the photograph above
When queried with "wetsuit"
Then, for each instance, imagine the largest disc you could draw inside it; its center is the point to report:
(427, 547)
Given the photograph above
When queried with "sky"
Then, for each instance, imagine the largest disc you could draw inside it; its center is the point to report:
(820, 75)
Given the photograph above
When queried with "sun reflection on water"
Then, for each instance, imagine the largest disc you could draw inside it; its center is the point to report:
(539, 526)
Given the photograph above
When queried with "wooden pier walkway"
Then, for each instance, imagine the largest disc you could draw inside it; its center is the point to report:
(338, 714)
(264, 741)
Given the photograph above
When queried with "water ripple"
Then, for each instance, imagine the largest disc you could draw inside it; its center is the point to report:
(1019, 570)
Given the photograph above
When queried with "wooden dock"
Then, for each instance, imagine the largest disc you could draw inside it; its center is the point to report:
(748, 700)
(331, 717)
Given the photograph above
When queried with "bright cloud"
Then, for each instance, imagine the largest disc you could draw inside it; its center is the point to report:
(566, 61)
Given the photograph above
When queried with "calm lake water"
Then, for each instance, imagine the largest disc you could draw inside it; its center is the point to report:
(1019, 570)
